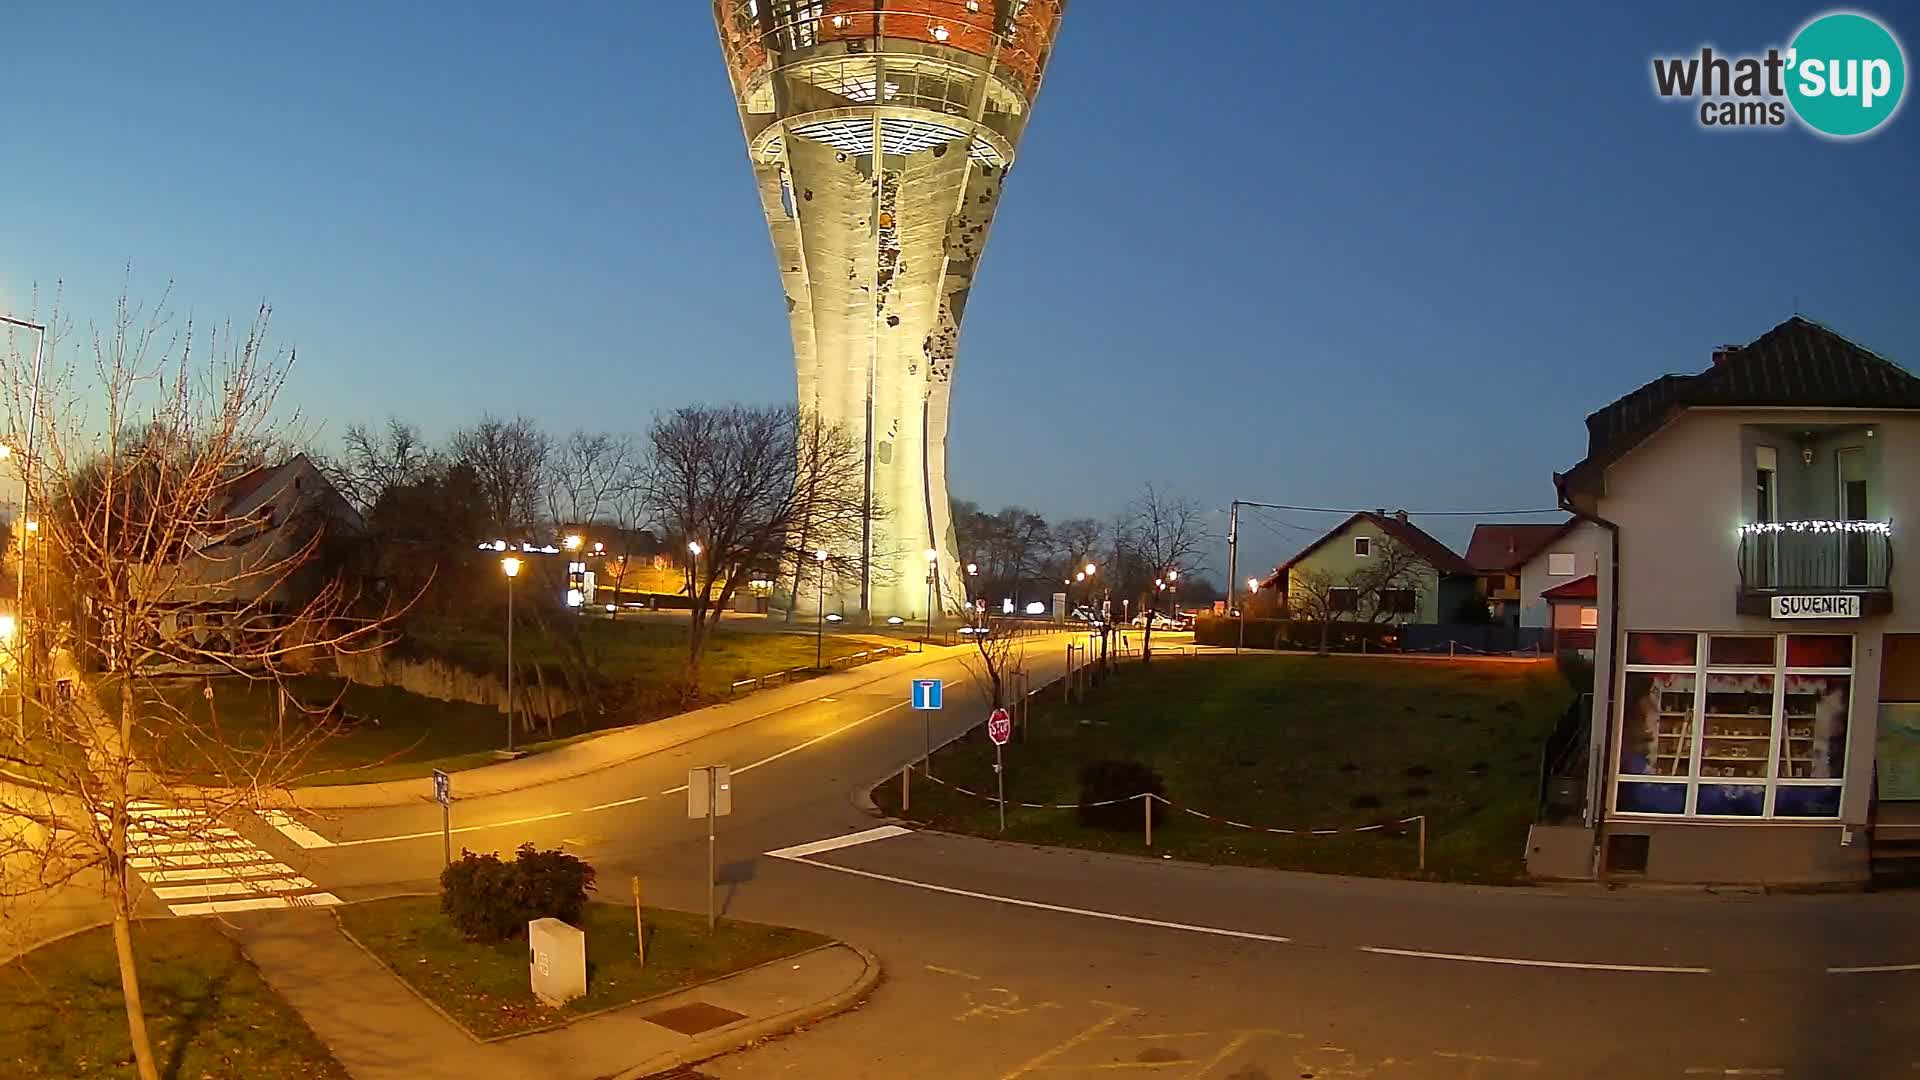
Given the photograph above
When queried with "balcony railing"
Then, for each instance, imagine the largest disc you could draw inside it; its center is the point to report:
(1807, 556)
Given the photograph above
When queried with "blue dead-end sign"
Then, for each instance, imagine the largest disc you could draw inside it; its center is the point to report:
(926, 693)
(442, 788)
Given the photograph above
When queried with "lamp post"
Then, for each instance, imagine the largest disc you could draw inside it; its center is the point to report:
(820, 613)
(511, 567)
(26, 511)
(1253, 590)
(933, 563)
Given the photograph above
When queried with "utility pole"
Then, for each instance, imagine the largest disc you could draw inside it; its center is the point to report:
(1233, 569)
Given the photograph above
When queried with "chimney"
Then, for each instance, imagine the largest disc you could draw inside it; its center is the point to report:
(1401, 515)
(1380, 511)
(1723, 354)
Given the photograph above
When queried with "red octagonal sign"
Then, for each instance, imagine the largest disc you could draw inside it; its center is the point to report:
(999, 727)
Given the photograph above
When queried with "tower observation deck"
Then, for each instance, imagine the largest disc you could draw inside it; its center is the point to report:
(880, 134)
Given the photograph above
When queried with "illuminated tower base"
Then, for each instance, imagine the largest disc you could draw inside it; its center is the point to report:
(880, 133)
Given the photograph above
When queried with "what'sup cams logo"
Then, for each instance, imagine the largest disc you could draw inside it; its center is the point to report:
(1843, 76)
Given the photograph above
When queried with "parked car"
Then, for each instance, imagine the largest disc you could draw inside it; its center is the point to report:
(1163, 620)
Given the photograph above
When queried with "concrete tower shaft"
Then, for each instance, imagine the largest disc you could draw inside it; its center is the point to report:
(880, 133)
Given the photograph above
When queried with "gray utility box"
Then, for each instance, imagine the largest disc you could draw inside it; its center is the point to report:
(557, 955)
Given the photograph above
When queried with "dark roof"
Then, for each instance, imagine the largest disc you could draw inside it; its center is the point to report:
(1798, 364)
(1506, 546)
(1436, 554)
(1585, 588)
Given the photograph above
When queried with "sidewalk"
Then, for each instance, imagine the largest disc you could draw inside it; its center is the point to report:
(380, 1030)
(619, 746)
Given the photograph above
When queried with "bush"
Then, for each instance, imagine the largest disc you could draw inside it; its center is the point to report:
(478, 895)
(490, 900)
(1102, 781)
(553, 884)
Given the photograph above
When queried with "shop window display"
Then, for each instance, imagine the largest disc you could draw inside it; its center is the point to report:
(1734, 726)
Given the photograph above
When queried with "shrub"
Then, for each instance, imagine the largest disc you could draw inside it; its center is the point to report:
(1102, 781)
(479, 896)
(488, 900)
(552, 884)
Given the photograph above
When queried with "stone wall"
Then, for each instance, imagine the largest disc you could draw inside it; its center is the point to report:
(443, 681)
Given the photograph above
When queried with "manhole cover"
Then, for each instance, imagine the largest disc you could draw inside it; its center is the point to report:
(694, 1018)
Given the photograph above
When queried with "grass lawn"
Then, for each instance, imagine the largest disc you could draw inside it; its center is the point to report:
(1285, 742)
(635, 651)
(209, 1013)
(485, 987)
(393, 733)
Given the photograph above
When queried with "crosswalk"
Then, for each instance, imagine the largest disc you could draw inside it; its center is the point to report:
(199, 867)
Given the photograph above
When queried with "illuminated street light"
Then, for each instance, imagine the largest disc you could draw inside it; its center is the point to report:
(1091, 569)
(511, 567)
(573, 542)
(693, 546)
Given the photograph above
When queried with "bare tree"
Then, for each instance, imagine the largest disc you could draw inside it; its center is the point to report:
(140, 457)
(755, 489)
(509, 457)
(587, 473)
(1162, 536)
(373, 460)
(1390, 586)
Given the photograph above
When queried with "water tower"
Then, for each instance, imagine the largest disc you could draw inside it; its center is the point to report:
(880, 133)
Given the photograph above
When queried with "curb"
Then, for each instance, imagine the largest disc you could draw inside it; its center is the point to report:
(727, 1040)
(388, 793)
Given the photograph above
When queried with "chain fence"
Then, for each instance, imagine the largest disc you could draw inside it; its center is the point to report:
(1419, 821)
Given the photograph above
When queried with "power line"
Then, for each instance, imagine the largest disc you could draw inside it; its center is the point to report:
(1409, 513)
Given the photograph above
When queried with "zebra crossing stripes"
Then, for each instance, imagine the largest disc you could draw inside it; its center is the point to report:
(199, 868)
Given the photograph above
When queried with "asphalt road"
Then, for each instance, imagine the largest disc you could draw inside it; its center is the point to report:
(1005, 961)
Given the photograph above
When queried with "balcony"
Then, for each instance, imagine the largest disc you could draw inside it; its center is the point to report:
(1816, 558)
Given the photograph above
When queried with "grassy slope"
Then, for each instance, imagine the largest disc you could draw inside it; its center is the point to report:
(485, 986)
(209, 1013)
(1286, 741)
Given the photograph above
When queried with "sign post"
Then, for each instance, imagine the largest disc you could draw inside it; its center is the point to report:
(443, 794)
(926, 698)
(709, 795)
(1000, 729)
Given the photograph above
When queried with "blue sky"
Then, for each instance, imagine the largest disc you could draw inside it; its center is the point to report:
(1346, 255)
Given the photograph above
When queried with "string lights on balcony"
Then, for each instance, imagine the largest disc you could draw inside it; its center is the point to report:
(1757, 528)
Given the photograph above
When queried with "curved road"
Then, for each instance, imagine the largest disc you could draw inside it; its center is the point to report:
(1009, 962)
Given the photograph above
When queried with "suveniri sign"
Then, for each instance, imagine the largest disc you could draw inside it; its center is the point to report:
(1816, 607)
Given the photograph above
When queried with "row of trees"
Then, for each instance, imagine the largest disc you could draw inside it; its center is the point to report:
(1021, 556)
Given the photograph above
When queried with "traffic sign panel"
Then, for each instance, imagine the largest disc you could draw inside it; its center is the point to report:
(442, 788)
(999, 727)
(926, 693)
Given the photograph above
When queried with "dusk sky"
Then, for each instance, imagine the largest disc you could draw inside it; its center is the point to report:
(1338, 255)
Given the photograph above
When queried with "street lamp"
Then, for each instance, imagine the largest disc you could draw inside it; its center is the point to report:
(820, 632)
(26, 496)
(511, 567)
(573, 542)
(933, 561)
(1253, 590)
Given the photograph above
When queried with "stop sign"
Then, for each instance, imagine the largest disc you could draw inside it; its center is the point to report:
(999, 727)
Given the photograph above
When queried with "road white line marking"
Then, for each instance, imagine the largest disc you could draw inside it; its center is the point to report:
(462, 829)
(1710, 1070)
(1015, 901)
(189, 860)
(193, 846)
(295, 831)
(256, 903)
(216, 873)
(617, 802)
(835, 843)
(1868, 968)
(235, 888)
(1517, 962)
(817, 738)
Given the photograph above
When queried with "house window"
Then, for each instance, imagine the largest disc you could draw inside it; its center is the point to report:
(1362, 546)
(1343, 599)
(1734, 725)
(1589, 618)
(1399, 601)
(1560, 564)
